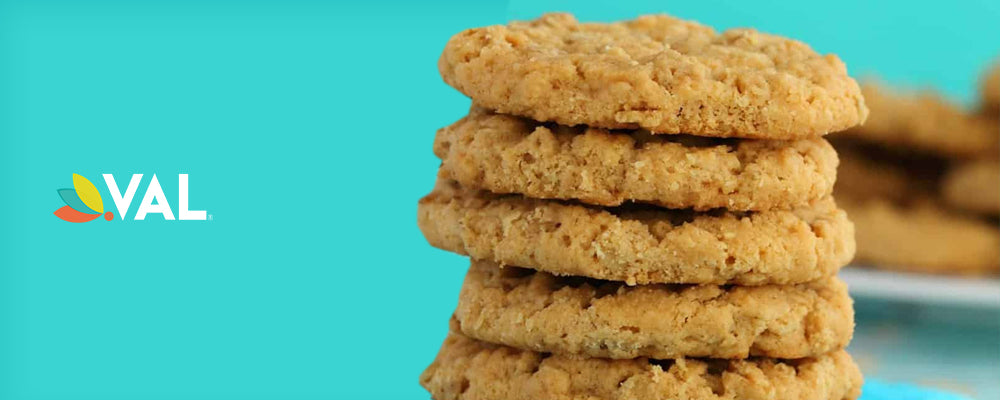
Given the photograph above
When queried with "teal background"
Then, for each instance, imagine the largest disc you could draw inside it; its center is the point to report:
(306, 129)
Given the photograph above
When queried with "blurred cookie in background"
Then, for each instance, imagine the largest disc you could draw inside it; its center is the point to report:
(989, 91)
(868, 171)
(921, 237)
(921, 181)
(974, 186)
(922, 122)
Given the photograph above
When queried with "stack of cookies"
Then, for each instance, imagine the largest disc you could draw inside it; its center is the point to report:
(647, 206)
(921, 180)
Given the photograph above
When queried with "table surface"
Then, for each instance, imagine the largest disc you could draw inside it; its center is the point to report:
(949, 347)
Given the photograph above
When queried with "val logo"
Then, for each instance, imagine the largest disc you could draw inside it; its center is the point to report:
(84, 203)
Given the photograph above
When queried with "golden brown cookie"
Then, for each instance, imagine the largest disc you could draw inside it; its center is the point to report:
(467, 369)
(639, 245)
(974, 186)
(656, 72)
(505, 154)
(922, 238)
(925, 122)
(538, 311)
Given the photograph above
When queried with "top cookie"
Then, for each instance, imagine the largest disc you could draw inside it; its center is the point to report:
(656, 72)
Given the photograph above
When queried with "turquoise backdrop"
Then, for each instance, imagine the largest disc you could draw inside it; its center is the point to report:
(306, 129)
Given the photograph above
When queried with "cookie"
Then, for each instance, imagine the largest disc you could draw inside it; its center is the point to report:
(974, 186)
(505, 154)
(922, 238)
(924, 122)
(538, 311)
(639, 245)
(656, 72)
(865, 173)
(472, 370)
(989, 90)
(867, 178)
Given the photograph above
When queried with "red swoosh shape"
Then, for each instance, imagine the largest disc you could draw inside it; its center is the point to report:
(68, 214)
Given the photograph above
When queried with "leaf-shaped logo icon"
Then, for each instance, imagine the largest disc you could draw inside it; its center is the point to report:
(88, 193)
(71, 199)
(68, 214)
(83, 202)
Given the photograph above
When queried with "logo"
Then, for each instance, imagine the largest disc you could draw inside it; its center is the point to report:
(84, 203)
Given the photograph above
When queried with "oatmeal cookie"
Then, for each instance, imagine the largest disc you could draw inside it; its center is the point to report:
(656, 72)
(538, 311)
(468, 369)
(505, 154)
(639, 245)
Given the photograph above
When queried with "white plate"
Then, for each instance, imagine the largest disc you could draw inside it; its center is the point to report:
(922, 288)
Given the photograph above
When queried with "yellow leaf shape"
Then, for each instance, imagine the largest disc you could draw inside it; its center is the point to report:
(88, 193)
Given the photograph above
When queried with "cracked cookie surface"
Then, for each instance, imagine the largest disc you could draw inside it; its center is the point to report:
(656, 72)
(639, 245)
(506, 154)
(541, 312)
(467, 369)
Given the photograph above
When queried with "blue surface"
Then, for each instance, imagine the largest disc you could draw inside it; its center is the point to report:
(955, 348)
(306, 129)
(878, 390)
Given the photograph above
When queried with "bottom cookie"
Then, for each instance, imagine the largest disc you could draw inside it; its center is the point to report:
(472, 370)
(922, 238)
